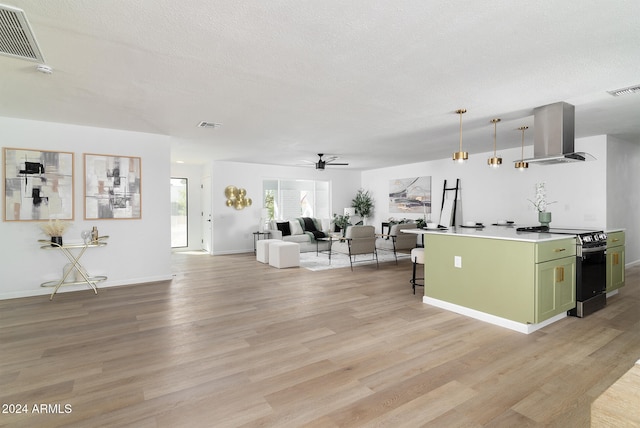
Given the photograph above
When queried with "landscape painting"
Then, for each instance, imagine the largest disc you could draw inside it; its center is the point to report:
(410, 195)
(38, 185)
(112, 187)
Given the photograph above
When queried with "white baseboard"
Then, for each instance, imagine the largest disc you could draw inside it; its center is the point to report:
(492, 319)
(41, 291)
(630, 264)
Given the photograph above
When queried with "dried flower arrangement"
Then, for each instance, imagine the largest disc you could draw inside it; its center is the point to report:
(55, 227)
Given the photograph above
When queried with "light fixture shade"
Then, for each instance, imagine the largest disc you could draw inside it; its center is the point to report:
(522, 165)
(494, 162)
(460, 156)
(350, 211)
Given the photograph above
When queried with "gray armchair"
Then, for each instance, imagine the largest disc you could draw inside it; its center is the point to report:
(360, 240)
(398, 241)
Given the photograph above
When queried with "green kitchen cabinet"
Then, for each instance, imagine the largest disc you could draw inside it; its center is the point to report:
(615, 260)
(555, 287)
(522, 281)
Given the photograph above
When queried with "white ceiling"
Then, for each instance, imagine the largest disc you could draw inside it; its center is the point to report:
(374, 82)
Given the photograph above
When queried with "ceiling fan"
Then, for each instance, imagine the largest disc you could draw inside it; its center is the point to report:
(322, 162)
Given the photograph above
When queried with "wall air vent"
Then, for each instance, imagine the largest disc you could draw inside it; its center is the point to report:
(625, 91)
(204, 124)
(16, 37)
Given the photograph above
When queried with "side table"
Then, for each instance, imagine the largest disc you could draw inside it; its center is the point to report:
(258, 236)
(330, 239)
(73, 252)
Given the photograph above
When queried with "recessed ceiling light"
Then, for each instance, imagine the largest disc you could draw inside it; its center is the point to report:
(625, 91)
(179, 161)
(205, 124)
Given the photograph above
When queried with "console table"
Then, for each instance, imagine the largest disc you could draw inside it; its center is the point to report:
(73, 252)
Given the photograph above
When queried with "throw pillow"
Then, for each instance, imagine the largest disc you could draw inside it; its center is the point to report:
(284, 228)
(296, 228)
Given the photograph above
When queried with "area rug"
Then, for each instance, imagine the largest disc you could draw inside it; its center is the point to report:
(319, 262)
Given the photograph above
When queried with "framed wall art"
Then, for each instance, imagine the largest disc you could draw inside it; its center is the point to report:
(112, 187)
(410, 195)
(38, 185)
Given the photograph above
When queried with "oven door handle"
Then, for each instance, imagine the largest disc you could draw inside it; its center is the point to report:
(593, 250)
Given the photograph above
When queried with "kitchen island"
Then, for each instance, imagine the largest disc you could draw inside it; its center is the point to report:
(518, 280)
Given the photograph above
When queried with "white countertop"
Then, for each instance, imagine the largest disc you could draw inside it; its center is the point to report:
(492, 232)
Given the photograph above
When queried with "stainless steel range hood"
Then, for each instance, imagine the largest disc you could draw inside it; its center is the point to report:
(553, 138)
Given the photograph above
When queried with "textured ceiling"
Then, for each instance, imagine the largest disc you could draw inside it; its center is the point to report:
(374, 82)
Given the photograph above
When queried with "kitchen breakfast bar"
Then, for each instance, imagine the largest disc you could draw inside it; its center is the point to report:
(519, 280)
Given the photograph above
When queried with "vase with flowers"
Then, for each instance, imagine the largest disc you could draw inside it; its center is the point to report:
(540, 203)
(55, 229)
(341, 222)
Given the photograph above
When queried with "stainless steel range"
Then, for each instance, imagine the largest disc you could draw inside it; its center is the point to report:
(591, 268)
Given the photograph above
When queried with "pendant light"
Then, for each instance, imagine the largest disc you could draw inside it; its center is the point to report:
(521, 164)
(495, 161)
(460, 156)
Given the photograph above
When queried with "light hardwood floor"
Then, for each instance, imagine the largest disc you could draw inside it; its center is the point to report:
(231, 343)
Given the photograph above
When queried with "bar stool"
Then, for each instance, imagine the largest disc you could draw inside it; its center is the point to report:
(417, 257)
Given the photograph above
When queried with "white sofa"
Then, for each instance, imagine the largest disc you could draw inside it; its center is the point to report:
(294, 231)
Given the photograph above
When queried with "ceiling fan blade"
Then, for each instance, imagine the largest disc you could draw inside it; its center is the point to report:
(336, 163)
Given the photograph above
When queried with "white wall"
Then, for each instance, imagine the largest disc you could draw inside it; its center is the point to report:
(137, 250)
(489, 195)
(193, 174)
(623, 192)
(232, 229)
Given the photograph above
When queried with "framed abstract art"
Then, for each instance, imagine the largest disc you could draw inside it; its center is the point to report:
(410, 195)
(112, 187)
(38, 185)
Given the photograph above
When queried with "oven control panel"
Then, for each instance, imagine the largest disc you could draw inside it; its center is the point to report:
(592, 239)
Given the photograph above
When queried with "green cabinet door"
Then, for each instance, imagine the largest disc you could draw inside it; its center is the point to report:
(615, 260)
(555, 287)
(615, 268)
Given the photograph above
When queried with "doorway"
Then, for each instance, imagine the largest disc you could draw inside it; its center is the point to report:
(207, 221)
(179, 213)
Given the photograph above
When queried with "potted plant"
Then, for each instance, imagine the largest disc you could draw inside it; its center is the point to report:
(55, 229)
(540, 203)
(341, 221)
(363, 203)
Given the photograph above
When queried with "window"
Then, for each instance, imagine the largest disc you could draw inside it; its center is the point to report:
(286, 199)
(179, 211)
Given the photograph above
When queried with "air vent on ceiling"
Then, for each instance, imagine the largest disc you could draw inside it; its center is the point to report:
(625, 91)
(204, 124)
(16, 37)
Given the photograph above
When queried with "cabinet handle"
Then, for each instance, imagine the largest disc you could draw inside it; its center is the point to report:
(559, 274)
(614, 239)
(558, 250)
(616, 259)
